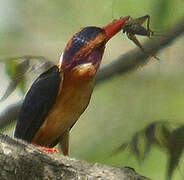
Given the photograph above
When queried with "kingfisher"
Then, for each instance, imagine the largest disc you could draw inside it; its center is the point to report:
(59, 96)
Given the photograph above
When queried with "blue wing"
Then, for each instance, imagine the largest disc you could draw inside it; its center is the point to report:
(37, 104)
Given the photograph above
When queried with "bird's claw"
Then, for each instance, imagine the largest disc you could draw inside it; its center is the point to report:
(46, 149)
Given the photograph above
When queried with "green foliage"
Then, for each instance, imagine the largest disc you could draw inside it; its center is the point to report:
(166, 136)
(175, 149)
(16, 72)
(17, 67)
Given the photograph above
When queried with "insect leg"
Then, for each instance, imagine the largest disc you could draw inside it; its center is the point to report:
(136, 41)
(150, 32)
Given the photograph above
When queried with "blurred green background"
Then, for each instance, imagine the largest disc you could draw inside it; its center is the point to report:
(121, 106)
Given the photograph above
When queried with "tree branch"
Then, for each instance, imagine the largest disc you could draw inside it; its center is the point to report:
(19, 160)
(123, 64)
(10, 114)
(134, 58)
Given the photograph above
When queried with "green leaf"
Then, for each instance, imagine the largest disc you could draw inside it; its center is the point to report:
(135, 148)
(176, 147)
(120, 148)
(166, 135)
(16, 72)
(149, 138)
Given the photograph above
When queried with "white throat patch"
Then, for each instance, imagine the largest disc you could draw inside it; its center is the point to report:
(61, 59)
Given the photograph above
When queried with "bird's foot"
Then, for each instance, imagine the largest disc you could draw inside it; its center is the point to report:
(46, 149)
(50, 150)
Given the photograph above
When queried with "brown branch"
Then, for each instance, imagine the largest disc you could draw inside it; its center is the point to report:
(10, 114)
(123, 64)
(19, 160)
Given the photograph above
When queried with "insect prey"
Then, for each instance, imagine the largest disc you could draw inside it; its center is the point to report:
(134, 27)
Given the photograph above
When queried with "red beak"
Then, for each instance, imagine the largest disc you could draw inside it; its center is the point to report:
(114, 27)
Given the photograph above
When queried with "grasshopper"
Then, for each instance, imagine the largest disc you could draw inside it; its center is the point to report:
(134, 27)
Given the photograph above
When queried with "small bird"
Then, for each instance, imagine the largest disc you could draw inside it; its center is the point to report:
(59, 96)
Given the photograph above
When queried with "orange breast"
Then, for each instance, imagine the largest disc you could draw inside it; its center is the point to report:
(72, 100)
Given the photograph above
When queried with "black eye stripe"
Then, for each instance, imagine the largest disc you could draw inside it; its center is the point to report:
(81, 39)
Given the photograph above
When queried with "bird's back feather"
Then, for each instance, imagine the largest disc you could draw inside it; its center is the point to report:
(37, 103)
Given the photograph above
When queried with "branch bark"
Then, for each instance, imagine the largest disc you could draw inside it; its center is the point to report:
(123, 64)
(10, 114)
(19, 161)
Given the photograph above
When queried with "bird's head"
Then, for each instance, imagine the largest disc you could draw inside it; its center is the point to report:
(87, 45)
